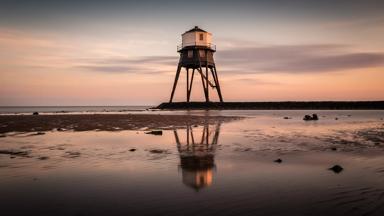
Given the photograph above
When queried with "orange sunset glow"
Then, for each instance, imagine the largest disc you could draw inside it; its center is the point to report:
(123, 59)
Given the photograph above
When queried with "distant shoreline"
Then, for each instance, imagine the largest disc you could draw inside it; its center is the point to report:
(281, 105)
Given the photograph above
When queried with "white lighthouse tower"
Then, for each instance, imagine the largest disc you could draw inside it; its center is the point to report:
(196, 54)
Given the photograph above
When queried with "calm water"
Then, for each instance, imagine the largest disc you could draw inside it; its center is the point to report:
(222, 168)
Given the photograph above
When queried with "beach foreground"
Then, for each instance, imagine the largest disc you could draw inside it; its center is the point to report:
(202, 163)
(105, 122)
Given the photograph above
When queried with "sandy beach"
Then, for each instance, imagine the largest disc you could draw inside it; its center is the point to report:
(105, 122)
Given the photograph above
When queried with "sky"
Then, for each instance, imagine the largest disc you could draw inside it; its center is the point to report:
(93, 52)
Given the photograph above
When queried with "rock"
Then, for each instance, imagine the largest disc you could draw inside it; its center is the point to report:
(333, 148)
(132, 149)
(155, 132)
(278, 160)
(43, 158)
(336, 118)
(157, 151)
(314, 117)
(72, 154)
(286, 117)
(61, 129)
(15, 152)
(336, 168)
(35, 113)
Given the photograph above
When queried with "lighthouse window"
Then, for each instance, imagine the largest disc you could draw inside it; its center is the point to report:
(190, 53)
(201, 36)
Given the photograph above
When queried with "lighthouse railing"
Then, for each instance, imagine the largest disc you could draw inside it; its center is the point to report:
(208, 45)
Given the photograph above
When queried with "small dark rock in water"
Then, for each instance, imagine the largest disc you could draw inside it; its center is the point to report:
(15, 153)
(155, 132)
(278, 160)
(132, 149)
(35, 113)
(158, 151)
(336, 168)
(314, 117)
(72, 154)
(43, 158)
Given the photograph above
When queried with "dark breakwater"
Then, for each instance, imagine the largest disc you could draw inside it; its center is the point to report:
(284, 105)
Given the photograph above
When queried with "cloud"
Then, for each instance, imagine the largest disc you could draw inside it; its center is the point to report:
(110, 69)
(315, 58)
(297, 59)
(142, 65)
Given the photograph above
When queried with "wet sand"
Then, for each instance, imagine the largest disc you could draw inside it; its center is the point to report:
(107, 122)
(203, 163)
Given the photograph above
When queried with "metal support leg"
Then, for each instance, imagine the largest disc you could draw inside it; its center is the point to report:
(175, 82)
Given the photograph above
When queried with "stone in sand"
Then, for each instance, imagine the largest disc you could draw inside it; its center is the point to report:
(333, 148)
(35, 113)
(307, 118)
(43, 158)
(286, 117)
(155, 132)
(15, 152)
(278, 160)
(132, 149)
(336, 168)
(314, 117)
(157, 151)
(72, 154)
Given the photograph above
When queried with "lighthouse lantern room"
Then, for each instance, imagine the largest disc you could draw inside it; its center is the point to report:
(196, 56)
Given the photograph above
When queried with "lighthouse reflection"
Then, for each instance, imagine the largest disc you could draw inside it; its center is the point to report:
(196, 146)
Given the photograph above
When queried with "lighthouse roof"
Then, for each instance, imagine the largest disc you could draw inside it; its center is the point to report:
(195, 29)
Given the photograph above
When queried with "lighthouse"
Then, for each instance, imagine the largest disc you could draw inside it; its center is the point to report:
(196, 57)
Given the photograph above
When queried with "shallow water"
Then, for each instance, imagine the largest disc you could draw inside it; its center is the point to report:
(221, 168)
